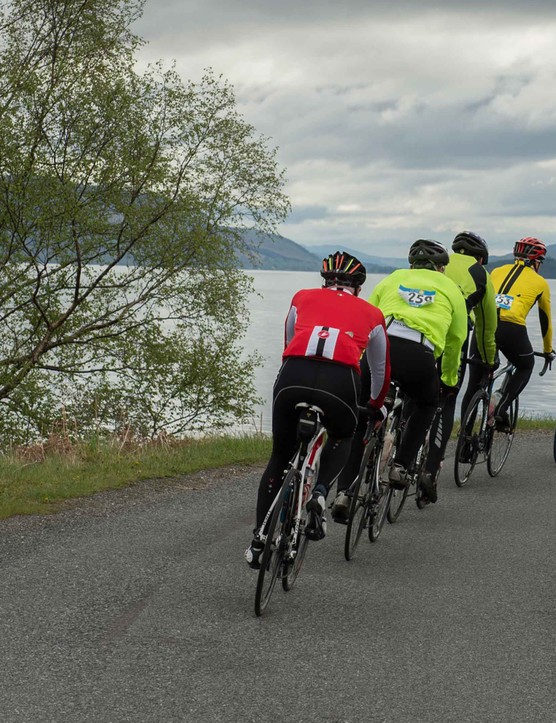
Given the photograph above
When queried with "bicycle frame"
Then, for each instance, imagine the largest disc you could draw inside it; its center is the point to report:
(284, 540)
(478, 434)
(413, 488)
(305, 459)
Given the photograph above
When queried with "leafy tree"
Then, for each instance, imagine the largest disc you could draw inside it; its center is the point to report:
(122, 200)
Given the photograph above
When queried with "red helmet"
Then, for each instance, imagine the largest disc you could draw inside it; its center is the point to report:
(530, 248)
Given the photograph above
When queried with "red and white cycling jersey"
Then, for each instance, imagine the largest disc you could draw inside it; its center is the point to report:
(334, 325)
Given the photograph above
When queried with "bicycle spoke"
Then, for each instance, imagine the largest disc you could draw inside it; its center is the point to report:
(275, 548)
(379, 510)
(359, 511)
(500, 442)
(297, 548)
(471, 438)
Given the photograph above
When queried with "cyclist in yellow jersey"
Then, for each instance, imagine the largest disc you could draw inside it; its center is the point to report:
(518, 287)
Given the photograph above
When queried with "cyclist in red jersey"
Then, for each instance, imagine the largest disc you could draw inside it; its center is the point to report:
(327, 330)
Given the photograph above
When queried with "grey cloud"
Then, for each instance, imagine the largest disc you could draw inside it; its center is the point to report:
(419, 118)
(302, 213)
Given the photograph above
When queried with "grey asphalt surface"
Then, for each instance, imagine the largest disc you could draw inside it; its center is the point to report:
(137, 606)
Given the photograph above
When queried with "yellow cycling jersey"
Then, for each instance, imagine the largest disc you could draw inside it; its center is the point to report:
(518, 288)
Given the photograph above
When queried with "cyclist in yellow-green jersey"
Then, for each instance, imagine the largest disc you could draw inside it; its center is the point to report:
(467, 270)
(426, 321)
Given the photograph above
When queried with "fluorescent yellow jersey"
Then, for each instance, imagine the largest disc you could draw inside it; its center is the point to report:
(518, 288)
(432, 304)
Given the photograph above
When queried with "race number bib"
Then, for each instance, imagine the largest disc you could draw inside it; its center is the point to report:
(416, 297)
(504, 301)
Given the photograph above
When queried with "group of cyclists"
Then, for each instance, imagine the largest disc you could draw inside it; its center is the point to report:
(418, 327)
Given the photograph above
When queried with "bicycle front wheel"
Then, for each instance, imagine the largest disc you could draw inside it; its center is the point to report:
(379, 510)
(298, 546)
(276, 545)
(471, 438)
(499, 443)
(358, 510)
(397, 501)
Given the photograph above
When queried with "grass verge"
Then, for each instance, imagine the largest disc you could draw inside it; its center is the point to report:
(37, 486)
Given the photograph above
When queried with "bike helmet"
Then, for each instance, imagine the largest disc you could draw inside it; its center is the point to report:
(472, 244)
(343, 269)
(530, 248)
(428, 253)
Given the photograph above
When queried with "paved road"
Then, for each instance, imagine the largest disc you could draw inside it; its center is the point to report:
(137, 606)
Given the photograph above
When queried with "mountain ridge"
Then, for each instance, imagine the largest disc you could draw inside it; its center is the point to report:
(276, 252)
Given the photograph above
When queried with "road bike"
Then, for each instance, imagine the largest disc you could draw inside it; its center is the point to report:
(284, 537)
(478, 435)
(394, 426)
(370, 493)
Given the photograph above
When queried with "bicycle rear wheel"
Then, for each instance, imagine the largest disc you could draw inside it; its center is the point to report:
(470, 438)
(296, 552)
(397, 501)
(396, 498)
(499, 443)
(276, 545)
(358, 510)
(421, 499)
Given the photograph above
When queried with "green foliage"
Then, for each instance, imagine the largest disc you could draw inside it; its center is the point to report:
(123, 198)
(71, 471)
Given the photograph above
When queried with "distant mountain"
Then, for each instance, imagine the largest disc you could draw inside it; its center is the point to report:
(548, 268)
(282, 254)
(277, 252)
(386, 263)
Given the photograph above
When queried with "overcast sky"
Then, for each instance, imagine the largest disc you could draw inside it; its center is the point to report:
(395, 120)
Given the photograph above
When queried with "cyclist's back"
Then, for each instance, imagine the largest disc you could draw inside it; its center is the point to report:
(327, 330)
(426, 319)
(519, 286)
(466, 270)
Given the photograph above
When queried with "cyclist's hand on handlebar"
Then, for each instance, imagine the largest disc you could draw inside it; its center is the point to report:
(375, 415)
(446, 391)
(494, 366)
(550, 356)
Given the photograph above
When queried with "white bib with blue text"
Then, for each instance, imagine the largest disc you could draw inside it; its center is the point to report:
(416, 297)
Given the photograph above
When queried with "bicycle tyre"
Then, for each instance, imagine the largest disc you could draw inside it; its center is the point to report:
(291, 570)
(358, 509)
(272, 560)
(470, 440)
(420, 499)
(499, 443)
(379, 510)
(397, 498)
(397, 501)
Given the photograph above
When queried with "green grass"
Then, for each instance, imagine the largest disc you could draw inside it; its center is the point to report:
(69, 471)
(37, 487)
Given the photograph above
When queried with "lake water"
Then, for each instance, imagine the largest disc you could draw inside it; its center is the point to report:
(270, 304)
